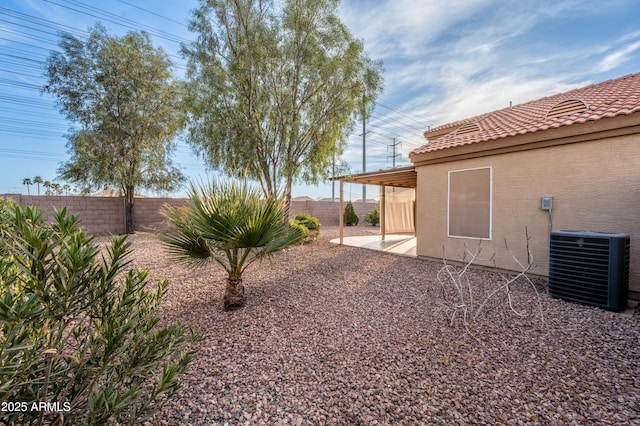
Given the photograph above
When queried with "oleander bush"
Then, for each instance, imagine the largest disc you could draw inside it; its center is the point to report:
(79, 329)
(6, 212)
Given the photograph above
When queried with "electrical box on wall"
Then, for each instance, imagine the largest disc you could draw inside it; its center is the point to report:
(546, 203)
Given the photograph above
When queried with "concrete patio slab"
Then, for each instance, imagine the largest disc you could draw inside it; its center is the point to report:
(402, 244)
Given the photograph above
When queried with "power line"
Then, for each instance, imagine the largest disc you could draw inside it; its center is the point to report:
(14, 83)
(118, 20)
(41, 21)
(401, 113)
(24, 44)
(152, 13)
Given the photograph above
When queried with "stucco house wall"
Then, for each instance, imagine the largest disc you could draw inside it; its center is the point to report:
(595, 186)
(581, 147)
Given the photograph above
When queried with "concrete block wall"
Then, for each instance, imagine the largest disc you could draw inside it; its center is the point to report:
(105, 215)
(328, 212)
(100, 215)
(147, 212)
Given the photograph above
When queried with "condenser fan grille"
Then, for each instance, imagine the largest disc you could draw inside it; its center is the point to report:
(590, 268)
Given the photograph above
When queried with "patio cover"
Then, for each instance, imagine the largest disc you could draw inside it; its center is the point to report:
(404, 177)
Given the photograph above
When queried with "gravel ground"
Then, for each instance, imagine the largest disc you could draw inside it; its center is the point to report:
(346, 336)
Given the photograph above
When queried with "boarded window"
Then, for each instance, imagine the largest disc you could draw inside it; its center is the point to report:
(470, 203)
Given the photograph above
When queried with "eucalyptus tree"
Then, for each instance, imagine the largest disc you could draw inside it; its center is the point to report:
(125, 108)
(272, 88)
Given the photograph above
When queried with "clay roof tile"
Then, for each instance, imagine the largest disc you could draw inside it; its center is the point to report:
(608, 99)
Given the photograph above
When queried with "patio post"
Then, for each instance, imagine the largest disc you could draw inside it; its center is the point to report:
(341, 215)
(383, 190)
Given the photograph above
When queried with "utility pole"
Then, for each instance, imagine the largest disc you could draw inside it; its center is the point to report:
(393, 146)
(364, 145)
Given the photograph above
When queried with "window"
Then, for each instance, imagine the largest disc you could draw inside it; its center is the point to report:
(470, 203)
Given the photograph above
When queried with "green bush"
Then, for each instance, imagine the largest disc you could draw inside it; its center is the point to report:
(7, 205)
(310, 224)
(350, 216)
(6, 209)
(372, 216)
(301, 229)
(79, 328)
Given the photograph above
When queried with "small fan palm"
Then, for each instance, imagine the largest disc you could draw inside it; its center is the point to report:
(229, 223)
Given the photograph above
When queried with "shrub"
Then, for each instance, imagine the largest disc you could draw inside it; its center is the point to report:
(79, 328)
(350, 216)
(372, 217)
(7, 206)
(6, 209)
(301, 229)
(310, 224)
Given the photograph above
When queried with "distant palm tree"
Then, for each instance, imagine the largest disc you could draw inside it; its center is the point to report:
(27, 181)
(230, 224)
(56, 188)
(38, 180)
(66, 188)
(47, 185)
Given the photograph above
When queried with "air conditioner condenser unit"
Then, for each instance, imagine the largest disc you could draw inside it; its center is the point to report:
(591, 268)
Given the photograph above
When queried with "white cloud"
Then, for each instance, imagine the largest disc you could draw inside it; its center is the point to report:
(405, 27)
(476, 98)
(617, 58)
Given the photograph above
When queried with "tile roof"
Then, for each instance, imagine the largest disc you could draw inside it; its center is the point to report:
(611, 98)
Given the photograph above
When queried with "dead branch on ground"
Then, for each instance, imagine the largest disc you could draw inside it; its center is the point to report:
(469, 299)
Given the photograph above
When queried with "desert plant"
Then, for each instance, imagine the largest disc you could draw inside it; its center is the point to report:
(350, 216)
(372, 217)
(310, 224)
(229, 223)
(79, 330)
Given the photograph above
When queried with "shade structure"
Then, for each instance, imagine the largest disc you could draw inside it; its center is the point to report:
(404, 177)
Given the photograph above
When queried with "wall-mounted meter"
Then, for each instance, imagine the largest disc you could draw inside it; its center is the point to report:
(546, 203)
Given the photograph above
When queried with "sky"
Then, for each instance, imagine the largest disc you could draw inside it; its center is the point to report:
(444, 60)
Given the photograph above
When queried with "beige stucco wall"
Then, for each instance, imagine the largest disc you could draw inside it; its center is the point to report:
(595, 186)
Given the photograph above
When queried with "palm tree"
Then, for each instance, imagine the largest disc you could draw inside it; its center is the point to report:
(27, 181)
(228, 223)
(47, 185)
(56, 188)
(38, 180)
